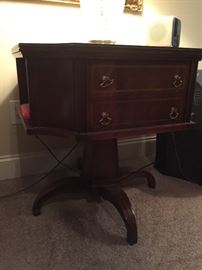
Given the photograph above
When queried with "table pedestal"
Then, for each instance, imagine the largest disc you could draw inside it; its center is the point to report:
(100, 178)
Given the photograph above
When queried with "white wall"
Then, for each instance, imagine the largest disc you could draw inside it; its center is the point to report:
(25, 22)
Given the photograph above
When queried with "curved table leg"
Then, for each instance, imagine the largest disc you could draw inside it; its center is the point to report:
(150, 178)
(66, 185)
(115, 195)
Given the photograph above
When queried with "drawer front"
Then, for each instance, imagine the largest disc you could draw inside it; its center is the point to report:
(131, 114)
(116, 78)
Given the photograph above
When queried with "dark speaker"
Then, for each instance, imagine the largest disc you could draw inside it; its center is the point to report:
(176, 31)
(179, 154)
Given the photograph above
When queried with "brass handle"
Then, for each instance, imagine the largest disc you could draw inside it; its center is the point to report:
(105, 119)
(173, 113)
(106, 81)
(177, 81)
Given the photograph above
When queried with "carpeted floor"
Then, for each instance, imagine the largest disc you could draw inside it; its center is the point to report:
(77, 235)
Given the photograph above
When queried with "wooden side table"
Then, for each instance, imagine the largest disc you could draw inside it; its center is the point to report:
(99, 93)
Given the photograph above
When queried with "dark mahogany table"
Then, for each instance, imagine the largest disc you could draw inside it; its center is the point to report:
(99, 93)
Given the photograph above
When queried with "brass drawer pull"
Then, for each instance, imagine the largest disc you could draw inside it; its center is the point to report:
(106, 81)
(173, 113)
(106, 119)
(177, 81)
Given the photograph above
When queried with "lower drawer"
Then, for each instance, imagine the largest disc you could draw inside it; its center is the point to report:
(130, 114)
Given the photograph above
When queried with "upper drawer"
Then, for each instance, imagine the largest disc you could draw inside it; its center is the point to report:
(119, 77)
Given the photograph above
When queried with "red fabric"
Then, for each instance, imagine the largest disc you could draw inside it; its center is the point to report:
(25, 112)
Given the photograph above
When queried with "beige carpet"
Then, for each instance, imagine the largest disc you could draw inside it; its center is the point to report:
(77, 235)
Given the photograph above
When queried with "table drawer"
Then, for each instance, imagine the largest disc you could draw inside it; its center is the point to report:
(134, 113)
(123, 77)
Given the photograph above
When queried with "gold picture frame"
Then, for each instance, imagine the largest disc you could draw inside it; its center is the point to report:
(131, 6)
(134, 6)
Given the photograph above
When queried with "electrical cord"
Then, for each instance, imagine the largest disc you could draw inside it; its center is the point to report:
(43, 177)
(136, 171)
(178, 158)
(49, 150)
(52, 153)
(60, 162)
(145, 166)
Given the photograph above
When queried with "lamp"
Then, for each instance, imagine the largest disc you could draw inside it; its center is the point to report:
(101, 18)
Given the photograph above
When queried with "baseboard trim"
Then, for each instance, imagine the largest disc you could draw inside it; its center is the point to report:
(21, 165)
